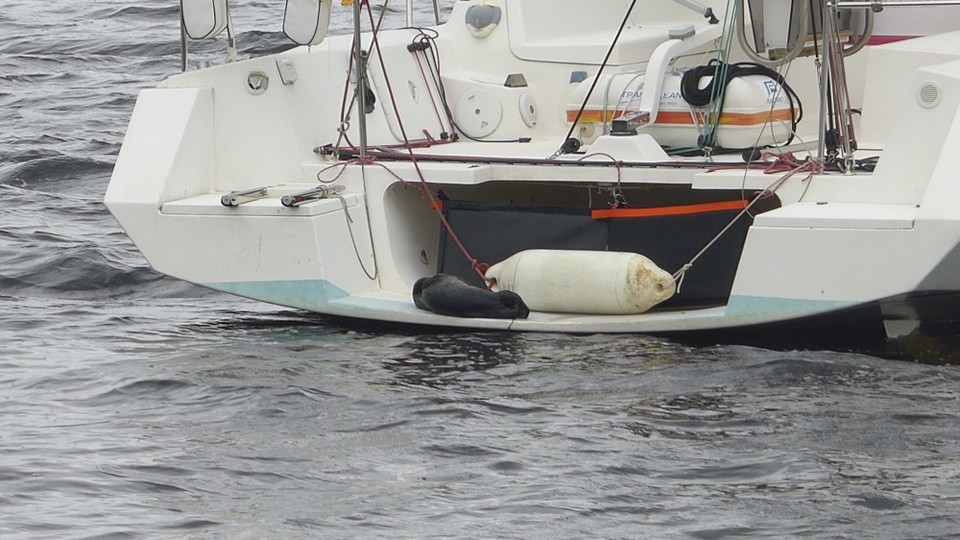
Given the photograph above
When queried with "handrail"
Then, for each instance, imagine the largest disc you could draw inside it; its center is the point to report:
(217, 26)
(436, 13)
(183, 45)
(231, 35)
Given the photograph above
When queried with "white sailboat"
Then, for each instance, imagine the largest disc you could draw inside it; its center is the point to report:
(577, 153)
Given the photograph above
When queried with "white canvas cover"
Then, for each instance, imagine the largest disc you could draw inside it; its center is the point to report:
(306, 21)
(203, 19)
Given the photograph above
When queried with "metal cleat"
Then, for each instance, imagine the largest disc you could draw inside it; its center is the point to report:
(629, 123)
(322, 192)
(236, 198)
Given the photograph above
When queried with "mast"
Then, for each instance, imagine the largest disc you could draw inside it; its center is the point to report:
(361, 75)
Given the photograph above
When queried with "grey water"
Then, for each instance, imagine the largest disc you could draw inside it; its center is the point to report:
(136, 406)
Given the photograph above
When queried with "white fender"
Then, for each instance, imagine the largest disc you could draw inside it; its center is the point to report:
(594, 282)
(306, 22)
(203, 19)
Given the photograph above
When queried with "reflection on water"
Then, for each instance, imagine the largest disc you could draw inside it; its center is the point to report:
(941, 349)
(430, 359)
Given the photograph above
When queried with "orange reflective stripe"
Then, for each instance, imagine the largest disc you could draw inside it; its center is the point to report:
(684, 117)
(669, 210)
(727, 119)
(592, 117)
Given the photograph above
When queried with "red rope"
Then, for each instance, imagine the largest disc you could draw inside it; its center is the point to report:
(346, 92)
(423, 76)
(620, 201)
(438, 80)
(788, 163)
(413, 159)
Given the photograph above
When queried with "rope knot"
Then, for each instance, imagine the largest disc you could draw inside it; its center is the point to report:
(682, 273)
(481, 269)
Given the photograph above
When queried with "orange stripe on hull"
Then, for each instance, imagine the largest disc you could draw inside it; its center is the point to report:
(669, 210)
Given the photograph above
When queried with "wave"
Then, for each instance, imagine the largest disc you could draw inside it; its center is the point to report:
(139, 13)
(55, 167)
(83, 269)
(36, 78)
(260, 43)
(73, 51)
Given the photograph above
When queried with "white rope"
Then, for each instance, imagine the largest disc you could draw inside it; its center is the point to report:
(680, 274)
(812, 167)
(371, 277)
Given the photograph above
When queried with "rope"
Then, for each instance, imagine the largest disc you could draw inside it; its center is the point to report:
(423, 75)
(721, 74)
(434, 203)
(718, 91)
(785, 163)
(346, 214)
(421, 43)
(434, 69)
(586, 99)
(620, 201)
(344, 111)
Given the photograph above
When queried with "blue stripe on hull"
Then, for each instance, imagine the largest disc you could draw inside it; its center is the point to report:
(313, 295)
(767, 308)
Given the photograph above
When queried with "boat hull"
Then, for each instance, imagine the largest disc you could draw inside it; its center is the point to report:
(806, 246)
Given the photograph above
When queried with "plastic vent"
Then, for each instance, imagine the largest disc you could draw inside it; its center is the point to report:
(929, 95)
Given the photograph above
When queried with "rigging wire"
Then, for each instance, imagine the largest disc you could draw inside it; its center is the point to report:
(567, 146)
(798, 38)
(476, 265)
(784, 163)
(423, 42)
(345, 111)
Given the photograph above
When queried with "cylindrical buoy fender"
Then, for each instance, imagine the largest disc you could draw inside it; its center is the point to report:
(591, 282)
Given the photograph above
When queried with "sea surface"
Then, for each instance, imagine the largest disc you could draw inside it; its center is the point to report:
(136, 406)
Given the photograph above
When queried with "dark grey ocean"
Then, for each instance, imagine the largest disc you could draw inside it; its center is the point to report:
(137, 406)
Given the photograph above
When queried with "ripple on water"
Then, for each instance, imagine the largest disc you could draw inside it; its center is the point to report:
(139, 406)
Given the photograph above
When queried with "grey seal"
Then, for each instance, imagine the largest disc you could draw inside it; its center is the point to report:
(445, 294)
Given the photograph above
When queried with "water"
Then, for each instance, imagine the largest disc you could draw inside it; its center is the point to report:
(133, 405)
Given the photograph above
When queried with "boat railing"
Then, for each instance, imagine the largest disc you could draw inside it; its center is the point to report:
(410, 12)
(207, 19)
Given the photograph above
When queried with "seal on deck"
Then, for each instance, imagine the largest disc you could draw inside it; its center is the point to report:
(445, 294)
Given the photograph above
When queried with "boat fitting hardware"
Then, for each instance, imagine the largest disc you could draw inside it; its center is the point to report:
(236, 198)
(257, 82)
(288, 72)
(515, 80)
(628, 123)
(315, 194)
